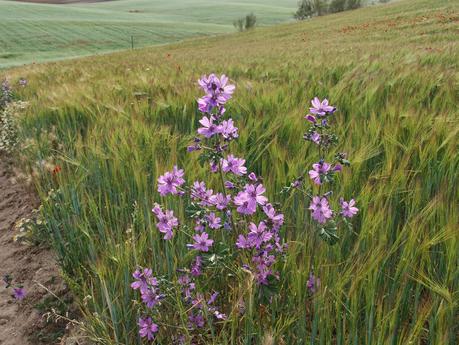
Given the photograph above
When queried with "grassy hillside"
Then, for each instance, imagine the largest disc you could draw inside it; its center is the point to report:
(115, 123)
(32, 32)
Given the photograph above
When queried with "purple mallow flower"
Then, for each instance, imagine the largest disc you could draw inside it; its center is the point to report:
(321, 168)
(228, 131)
(209, 128)
(213, 221)
(320, 209)
(263, 263)
(243, 242)
(229, 185)
(212, 298)
(315, 138)
(202, 242)
(196, 267)
(220, 201)
(348, 209)
(218, 92)
(170, 181)
(196, 146)
(147, 284)
(195, 320)
(248, 199)
(255, 193)
(187, 286)
(310, 118)
(234, 165)
(277, 219)
(147, 328)
(204, 105)
(258, 235)
(166, 221)
(200, 225)
(192, 148)
(151, 297)
(214, 167)
(244, 204)
(143, 279)
(201, 193)
(321, 108)
(19, 293)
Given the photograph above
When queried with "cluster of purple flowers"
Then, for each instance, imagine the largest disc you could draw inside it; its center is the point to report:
(170, 182)
(348, 209)
(218, 92)
(322, 171)
(264, 242)
(151, 297)
(166, 221)
(239, 212)
(243, 193)
(197, 302)
(323, 175)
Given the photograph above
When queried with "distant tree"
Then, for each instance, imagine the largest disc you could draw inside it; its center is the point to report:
(305, 10)
(337, 6)
(250, 21)
(239, 24)
(353, 4)
(320, 7)
(245, 23)
(308, 8)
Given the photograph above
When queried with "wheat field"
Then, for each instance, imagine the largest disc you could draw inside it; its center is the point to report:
(114, 123)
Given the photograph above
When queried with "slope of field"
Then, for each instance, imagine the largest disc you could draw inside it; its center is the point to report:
(114, 123)
(31, 32)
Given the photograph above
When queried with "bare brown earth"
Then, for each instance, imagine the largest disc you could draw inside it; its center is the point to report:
(61, 2)
(25, 322)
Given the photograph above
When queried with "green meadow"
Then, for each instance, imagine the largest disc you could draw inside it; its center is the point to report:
(114, 123)
(31, 32)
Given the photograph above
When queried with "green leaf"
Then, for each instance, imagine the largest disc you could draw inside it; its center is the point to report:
(328, 233)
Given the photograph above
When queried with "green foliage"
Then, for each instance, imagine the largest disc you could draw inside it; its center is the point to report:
(250, 21)
(353, 4)
(246, 23)
(337, 6)
(305, 10)
(8, 125)
(393, 279)
(55, 311)
(239, 24)
(329, 233)
(320, 7)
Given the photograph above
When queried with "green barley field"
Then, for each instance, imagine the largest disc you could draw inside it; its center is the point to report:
(114, 123)
(31, 32)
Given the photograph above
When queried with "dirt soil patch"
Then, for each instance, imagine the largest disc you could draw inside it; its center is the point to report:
(24, 322)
